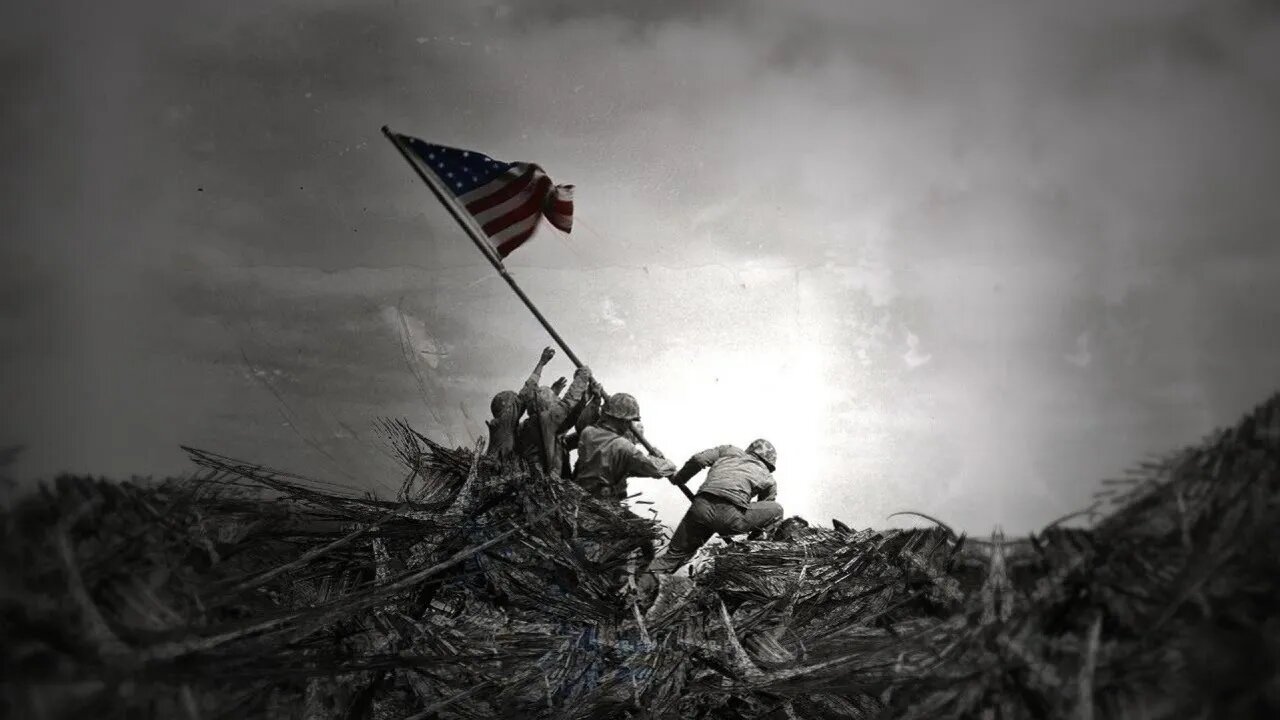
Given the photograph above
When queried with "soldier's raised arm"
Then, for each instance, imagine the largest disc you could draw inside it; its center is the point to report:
(529, 393)
(582, 380)
(565, 410)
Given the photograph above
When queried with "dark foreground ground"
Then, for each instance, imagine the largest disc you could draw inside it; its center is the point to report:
(245, 592)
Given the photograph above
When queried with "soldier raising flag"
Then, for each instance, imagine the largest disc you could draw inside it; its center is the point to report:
(499, 206)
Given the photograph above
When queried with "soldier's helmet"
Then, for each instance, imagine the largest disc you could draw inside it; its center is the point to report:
(503, 401)
(764, 450)
(621, 406)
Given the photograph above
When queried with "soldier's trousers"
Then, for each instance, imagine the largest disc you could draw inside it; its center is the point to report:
(708, 516)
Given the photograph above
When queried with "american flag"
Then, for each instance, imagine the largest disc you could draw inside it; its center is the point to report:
(506, 199)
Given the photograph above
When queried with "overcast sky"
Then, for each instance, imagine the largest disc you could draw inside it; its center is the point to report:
(965, 258)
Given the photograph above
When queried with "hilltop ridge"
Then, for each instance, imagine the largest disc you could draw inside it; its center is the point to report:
(248, 592)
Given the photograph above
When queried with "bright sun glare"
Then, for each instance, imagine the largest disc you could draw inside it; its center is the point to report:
(718, 396)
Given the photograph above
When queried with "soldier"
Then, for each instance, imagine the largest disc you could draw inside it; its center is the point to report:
(506, 411)
(507, 408)
(607, 456)
(725, 504)
(607, 452)
(540, 437)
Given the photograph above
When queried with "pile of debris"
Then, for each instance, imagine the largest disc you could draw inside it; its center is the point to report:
(246, 592)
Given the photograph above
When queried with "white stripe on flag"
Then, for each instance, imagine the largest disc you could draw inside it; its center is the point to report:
(494, 185)
(514, 202)
(516, 229)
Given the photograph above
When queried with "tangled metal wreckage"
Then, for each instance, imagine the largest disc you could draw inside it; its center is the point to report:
(247, 592)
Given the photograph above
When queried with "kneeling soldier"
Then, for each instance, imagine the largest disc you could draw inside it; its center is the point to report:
(726, 503)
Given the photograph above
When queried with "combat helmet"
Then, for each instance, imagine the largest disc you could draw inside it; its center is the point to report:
(621, 406)
(502, 402)
(763, 449)
(546, 397)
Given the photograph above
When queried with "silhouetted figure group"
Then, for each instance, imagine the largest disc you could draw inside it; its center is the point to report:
(541, 426)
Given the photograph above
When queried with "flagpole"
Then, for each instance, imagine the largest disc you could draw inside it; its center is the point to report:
(477, 237)
(482, 243)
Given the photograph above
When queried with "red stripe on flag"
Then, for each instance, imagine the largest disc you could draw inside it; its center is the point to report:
(493, 184)
(502, 194)
(561, 207)
(531, 205)
(505, 248)
(513, 235)
(561, 223)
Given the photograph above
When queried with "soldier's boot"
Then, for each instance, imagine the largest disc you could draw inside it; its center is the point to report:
(764, 533)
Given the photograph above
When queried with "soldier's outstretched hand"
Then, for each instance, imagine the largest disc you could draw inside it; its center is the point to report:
(547, 353)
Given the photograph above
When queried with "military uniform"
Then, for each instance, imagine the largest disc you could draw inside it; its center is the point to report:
(726, 502)
(606, 460)
(540, 437)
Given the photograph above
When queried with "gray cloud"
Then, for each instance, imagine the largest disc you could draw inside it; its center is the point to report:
(784, 209)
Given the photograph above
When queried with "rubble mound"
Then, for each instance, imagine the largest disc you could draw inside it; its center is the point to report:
(479, 592)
